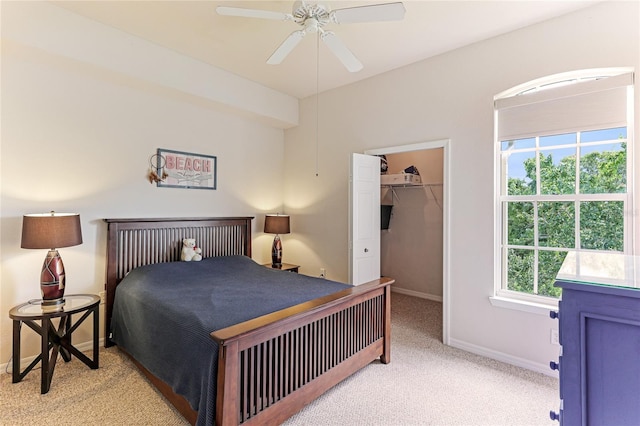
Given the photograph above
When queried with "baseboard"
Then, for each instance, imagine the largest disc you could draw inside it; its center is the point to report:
(481, 350)
(502, 357)
(24, 362)
(414, 293)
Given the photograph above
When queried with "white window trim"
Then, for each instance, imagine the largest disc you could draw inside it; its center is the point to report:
(517, 304)
(536, 304)
(571, 75)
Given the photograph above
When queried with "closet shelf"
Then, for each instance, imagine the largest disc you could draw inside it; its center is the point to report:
(411, 185)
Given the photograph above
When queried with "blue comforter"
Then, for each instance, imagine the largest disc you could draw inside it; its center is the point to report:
(164, 313)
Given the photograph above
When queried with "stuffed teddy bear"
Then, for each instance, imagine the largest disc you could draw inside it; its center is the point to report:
(190, 251)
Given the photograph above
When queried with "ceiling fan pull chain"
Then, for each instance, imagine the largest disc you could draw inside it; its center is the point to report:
(317, 101)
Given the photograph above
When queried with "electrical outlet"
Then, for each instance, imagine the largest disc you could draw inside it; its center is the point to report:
(323, 273)
(555, 337)
(103, 297)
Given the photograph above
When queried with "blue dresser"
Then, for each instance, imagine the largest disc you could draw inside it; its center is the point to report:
(599, 316)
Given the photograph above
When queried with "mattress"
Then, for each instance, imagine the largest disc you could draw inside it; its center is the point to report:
(164, 313)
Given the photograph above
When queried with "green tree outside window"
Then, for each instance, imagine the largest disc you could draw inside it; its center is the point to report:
(567, 169)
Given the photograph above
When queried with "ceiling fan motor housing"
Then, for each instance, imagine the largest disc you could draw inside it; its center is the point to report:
(302, 11)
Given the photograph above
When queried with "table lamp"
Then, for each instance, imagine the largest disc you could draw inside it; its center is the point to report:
(276, 224)
(51, 231)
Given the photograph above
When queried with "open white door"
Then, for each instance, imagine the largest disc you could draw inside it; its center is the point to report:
(364, 223)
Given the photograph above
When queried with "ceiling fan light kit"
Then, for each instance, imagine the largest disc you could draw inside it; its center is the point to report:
(312, 17)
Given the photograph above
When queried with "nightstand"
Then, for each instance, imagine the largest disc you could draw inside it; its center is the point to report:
(54, 340)
(285, 267)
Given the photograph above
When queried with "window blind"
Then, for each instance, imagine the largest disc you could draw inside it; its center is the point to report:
(590, 105)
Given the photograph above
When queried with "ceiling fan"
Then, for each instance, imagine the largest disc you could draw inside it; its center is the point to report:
(312, 17)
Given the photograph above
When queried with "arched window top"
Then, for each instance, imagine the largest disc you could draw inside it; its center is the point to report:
(567, 102)
(562, 79)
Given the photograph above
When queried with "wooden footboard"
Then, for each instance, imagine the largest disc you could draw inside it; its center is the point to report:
(271, 367)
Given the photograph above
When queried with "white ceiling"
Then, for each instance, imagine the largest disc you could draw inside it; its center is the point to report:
(242, 45)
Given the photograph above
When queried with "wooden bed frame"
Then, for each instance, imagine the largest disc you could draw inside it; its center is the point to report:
(270, 367)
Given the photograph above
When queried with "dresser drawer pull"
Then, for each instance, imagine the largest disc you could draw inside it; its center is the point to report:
(554, 314)
(554, 416)
(554, 365)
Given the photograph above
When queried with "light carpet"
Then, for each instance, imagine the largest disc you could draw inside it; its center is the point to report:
(426, 383)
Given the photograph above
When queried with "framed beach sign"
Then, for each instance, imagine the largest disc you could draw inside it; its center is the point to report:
(186, 169)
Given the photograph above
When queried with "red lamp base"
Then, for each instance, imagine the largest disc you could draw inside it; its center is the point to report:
(276, 252)
(52, 279)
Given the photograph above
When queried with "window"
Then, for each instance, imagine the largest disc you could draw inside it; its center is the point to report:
(563, 153)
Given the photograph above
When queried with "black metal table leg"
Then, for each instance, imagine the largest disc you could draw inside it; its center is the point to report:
(16, 351)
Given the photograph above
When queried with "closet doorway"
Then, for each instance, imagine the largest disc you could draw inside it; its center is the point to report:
(415, 248)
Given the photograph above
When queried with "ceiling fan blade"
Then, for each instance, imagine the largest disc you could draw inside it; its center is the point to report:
(341, 51)
(371, 13)
(252, 13)
(286, 47)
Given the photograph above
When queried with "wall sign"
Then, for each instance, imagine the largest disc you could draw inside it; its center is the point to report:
(186, 170)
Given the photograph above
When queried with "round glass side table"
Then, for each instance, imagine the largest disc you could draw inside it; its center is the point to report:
(54, 340)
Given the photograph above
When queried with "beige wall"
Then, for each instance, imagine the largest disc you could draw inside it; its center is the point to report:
(78, 137)
(450, 97)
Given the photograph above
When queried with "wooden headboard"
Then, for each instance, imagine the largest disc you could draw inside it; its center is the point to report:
(136, 242)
